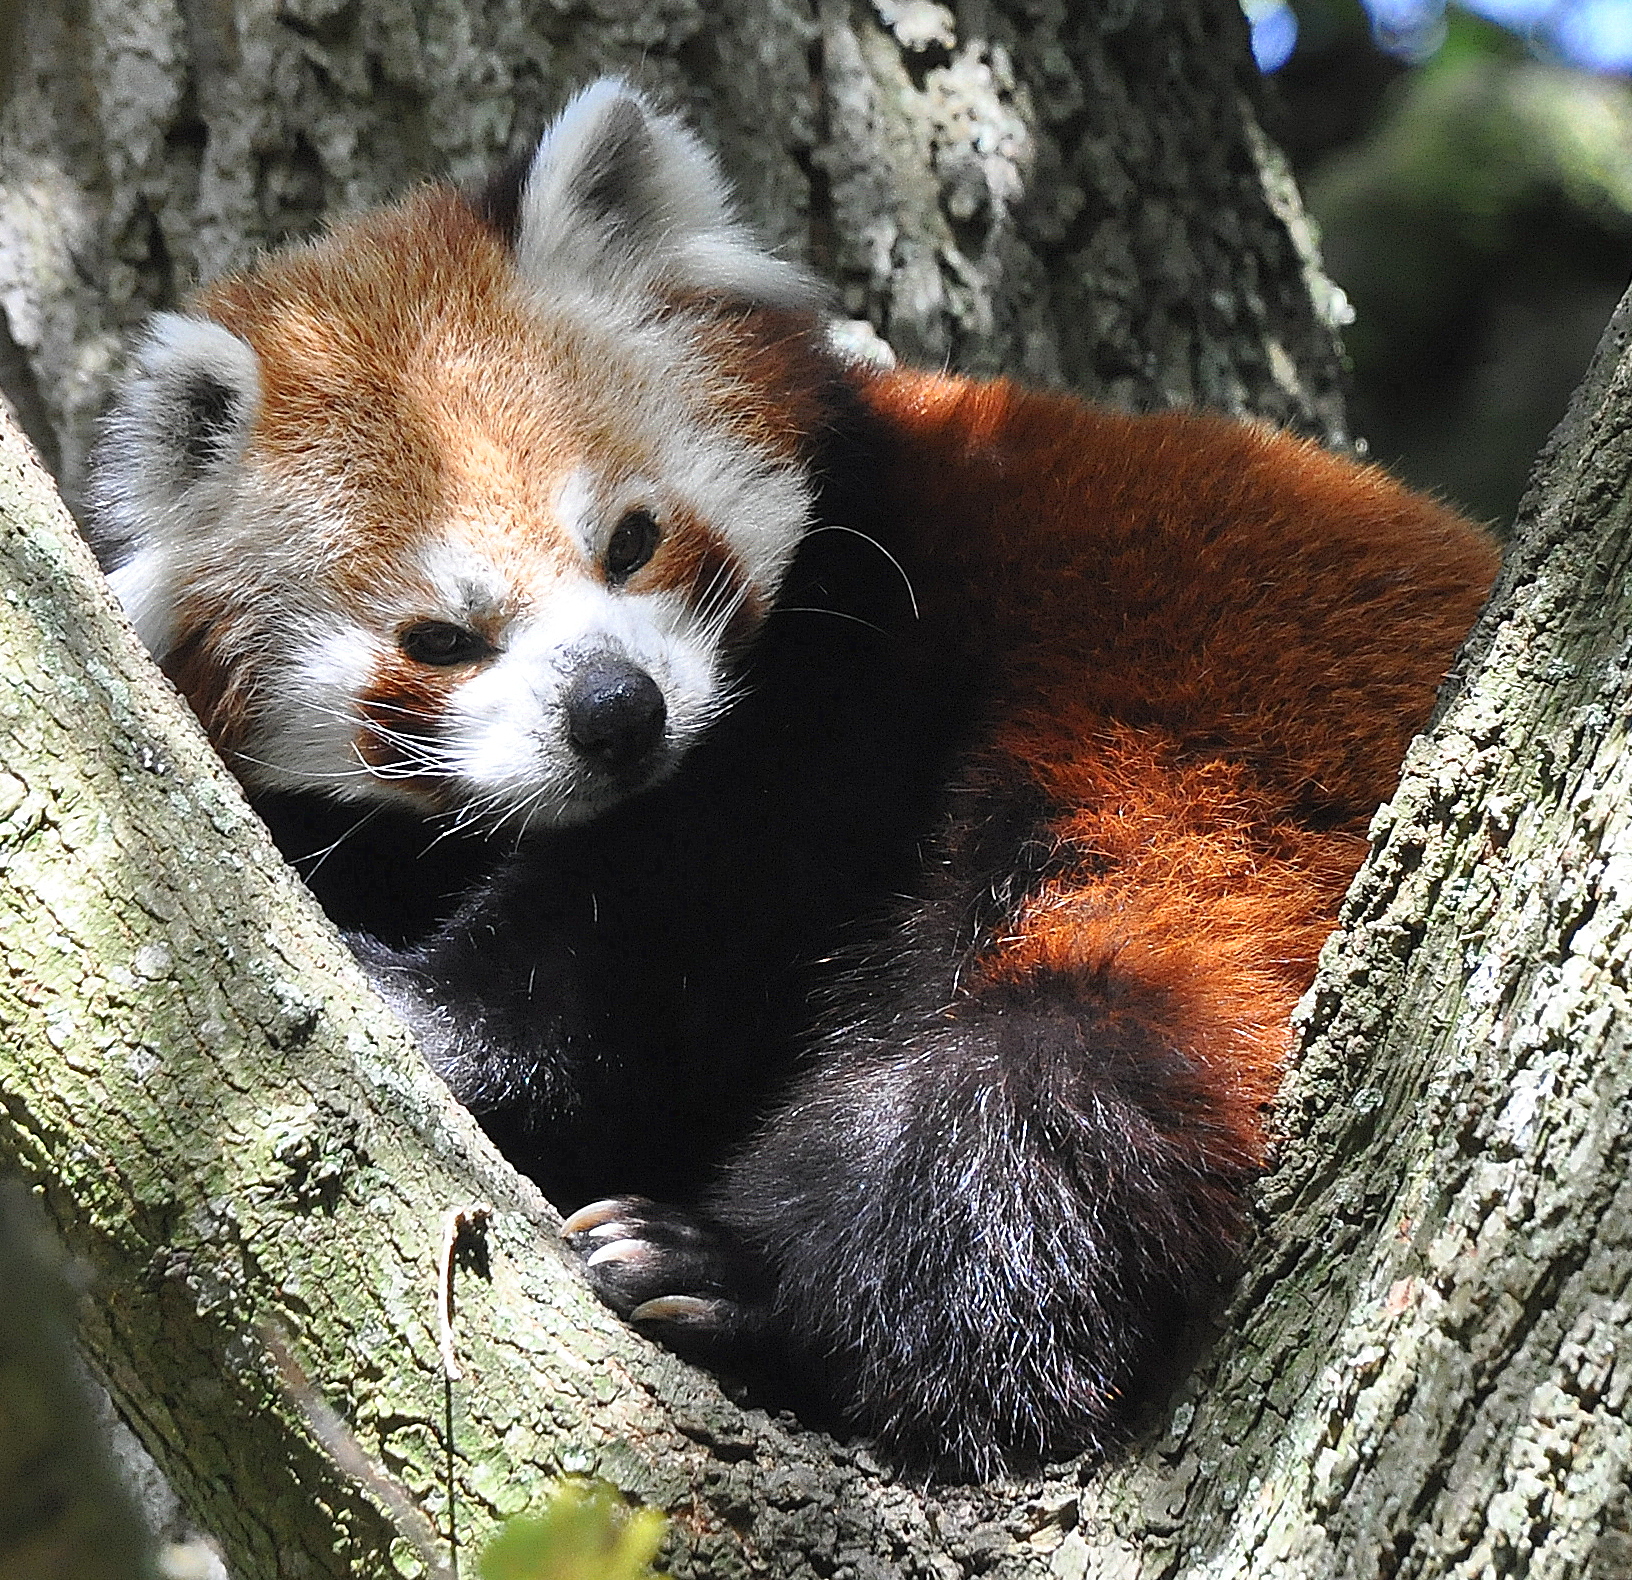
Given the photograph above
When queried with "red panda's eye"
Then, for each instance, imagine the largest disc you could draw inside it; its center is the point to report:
(634, 541)
(440, 643)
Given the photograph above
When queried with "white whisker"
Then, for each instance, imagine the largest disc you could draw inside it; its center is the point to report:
(308, 873)
(866, 537)
(838, 614)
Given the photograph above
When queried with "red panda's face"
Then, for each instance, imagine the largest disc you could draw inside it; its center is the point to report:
(414, 516)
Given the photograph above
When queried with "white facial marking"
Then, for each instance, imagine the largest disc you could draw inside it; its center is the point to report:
(464, 584)
(144, 587)
(577, 511)
(623, 208)
(310, 719)
(507, 740)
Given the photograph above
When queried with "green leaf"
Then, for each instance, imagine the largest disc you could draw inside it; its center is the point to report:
(586, 1532)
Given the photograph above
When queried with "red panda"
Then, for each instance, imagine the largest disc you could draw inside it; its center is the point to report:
(855, 834)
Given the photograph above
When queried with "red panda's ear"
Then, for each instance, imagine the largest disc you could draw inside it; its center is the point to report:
(170, 444)
(185, 407)
(623, 198)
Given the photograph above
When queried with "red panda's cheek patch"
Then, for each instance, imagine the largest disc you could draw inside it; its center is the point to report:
(696, 562)
(217, 690)
(404, 707)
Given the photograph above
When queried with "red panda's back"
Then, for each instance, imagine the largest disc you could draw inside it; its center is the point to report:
(1202, 649)
(1241, 591)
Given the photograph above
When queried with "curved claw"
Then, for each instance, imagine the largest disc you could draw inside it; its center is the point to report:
(682, 1310)
(625, 1250)
(596, 1213)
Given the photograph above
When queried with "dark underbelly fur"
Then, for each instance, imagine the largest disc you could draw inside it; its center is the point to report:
(727, 1001)
(621, 1002)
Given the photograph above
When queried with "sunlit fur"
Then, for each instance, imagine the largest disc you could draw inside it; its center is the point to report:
(424, 427)
(929, 980)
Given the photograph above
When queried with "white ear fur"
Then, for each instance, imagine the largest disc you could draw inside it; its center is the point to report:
(168, 447)
(618, 188)
(185, 407)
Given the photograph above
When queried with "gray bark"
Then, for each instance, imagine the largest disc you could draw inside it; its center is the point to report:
(1073, 194)
(1423, 1371)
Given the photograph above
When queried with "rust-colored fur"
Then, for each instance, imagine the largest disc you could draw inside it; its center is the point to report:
(1210, 681)
(935, 793)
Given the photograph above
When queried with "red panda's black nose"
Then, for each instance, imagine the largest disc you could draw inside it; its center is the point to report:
(615, 713)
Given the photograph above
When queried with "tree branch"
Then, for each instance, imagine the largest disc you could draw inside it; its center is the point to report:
(230, 1130)
(65, 1511)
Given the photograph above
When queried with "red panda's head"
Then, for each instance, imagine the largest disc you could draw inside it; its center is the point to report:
(470, 504)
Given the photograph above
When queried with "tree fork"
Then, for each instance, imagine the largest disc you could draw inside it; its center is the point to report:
(1423, 1372)
(230, 1131)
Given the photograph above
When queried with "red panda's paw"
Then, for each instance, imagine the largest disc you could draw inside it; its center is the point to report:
(673, 1274)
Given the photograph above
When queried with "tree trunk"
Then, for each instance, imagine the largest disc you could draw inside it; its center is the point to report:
(1074, 194)
(1419, 1375)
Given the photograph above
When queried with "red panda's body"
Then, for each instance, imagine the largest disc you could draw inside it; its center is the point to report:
(937, 792)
